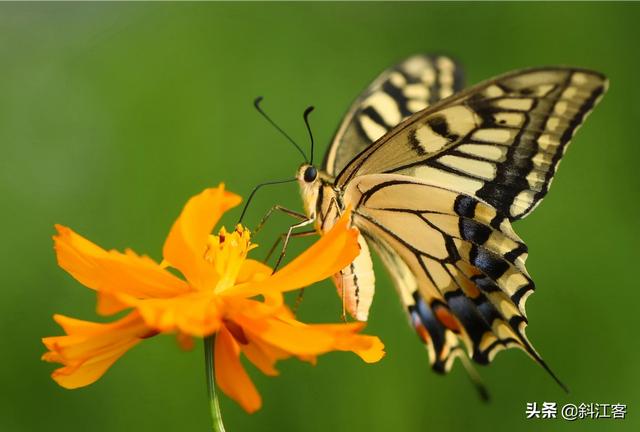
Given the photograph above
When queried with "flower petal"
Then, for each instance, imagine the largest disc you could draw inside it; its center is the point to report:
(109, 304)
(231, 376)
(299, 340)
(264, 356)
(333, 252)
(186, 244)
(111, 271)
(185, 341)
(253, 271)
(284, 333)
(196, 314)
(90, 348)
(368, 348)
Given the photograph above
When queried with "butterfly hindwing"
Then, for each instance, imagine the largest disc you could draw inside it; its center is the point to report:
(456, 262)
(500, 141)
(442, 344)
(397, 93)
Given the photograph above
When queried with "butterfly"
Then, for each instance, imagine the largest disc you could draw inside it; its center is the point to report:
(435, 176)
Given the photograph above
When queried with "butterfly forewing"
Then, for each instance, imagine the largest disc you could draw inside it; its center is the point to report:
(398, 92)
(500, 141)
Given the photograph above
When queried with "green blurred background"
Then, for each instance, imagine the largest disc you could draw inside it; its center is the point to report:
(111, 115)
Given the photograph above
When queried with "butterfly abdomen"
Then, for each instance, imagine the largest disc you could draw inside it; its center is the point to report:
(356, 283)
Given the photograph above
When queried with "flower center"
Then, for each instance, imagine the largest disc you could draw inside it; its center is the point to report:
(226, 252)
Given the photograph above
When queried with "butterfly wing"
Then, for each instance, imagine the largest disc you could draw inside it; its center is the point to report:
(443, 345)
(499, 142)
(457, 264)
(400, 91)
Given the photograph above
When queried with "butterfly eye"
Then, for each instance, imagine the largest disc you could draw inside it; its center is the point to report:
(310, 174)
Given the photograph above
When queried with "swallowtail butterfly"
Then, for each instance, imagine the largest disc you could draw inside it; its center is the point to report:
(435, 176)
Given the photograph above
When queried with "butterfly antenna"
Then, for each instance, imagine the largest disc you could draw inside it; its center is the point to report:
(256, 189)
(306, 122)
(256, 103)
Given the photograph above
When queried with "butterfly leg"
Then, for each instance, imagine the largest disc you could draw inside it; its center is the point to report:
(285, 237)
(343, 316)
(282, 236)
(294, 214)
(286, 240)
(273, 248)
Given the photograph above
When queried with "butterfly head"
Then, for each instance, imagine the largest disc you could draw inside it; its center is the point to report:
(309, 173)
(307, 176)
(309, 181)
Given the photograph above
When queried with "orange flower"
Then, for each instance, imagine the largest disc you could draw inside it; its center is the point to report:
(215, 297)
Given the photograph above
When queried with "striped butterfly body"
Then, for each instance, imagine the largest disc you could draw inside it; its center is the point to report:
(435, 175)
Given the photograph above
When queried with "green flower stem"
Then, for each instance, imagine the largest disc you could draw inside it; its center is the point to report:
(209, 364)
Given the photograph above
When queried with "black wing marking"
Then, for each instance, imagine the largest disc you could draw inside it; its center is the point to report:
(500, 141)
(398, 92)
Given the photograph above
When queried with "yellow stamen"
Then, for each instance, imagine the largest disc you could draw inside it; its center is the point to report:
(226, 252)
